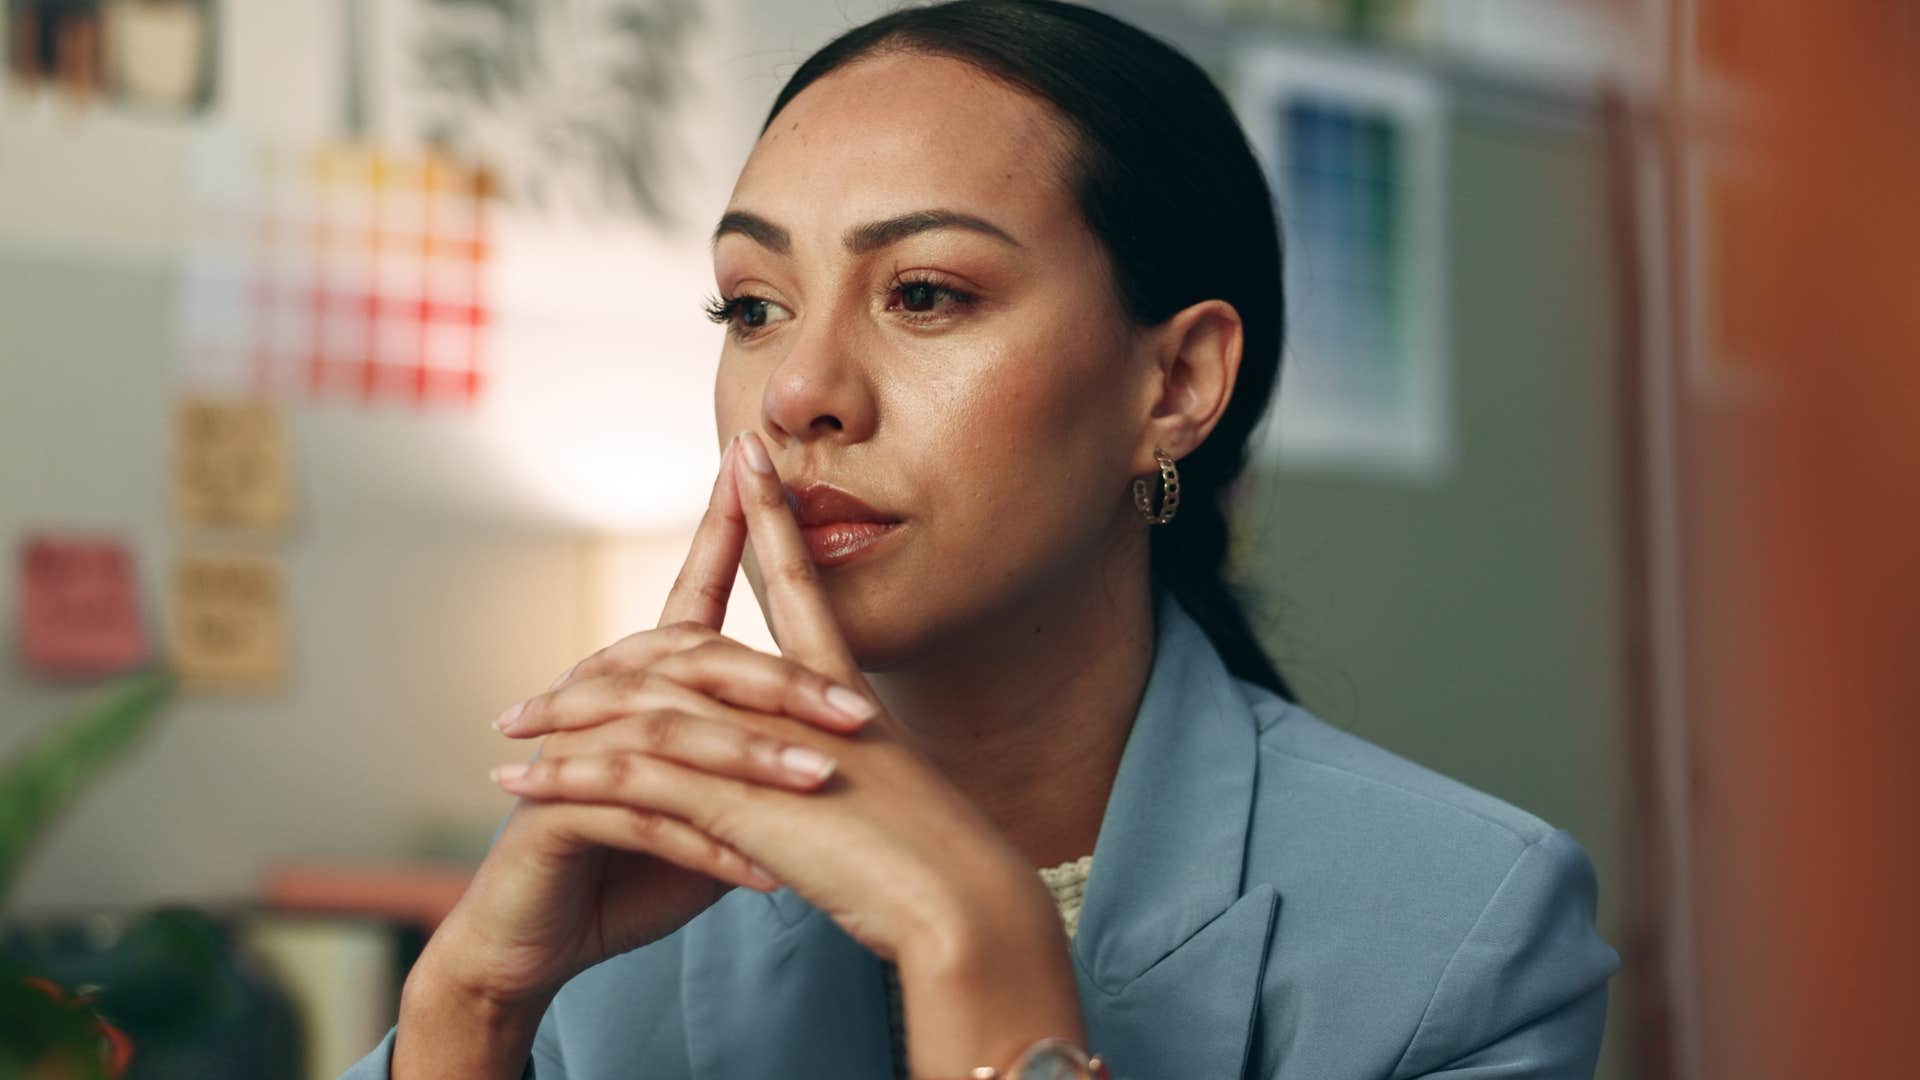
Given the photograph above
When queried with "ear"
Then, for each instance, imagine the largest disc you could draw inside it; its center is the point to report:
(1196, 355)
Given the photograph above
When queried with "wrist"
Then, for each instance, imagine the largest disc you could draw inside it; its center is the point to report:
(983, 985)
(451, 1026)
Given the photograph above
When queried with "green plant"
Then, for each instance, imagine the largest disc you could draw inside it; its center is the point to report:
(44, 778)
(44, 1031)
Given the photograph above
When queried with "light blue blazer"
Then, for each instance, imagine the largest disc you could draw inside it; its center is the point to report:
(1270, 898)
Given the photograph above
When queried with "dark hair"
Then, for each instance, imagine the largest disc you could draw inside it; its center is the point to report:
(1167, 182)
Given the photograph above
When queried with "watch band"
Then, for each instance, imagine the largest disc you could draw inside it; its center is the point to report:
(1048, 1059)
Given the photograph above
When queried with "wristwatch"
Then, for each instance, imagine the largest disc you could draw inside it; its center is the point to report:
(1048, 1059)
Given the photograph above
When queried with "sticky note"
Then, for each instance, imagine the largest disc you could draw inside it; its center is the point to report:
(230, 465)
(227, 623)
(79, 607)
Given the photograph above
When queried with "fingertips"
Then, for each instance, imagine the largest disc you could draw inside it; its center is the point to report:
(758, 483)
(853, 708)
(755, 454)
(749, 679)
(805, 765)
(506, 723)
(668, 838)
(534, 716)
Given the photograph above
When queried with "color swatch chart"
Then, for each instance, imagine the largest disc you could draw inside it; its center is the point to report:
(343, 273)
(1343, 173)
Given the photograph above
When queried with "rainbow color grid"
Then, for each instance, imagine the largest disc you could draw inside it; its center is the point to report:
(1343, 172)
(347, 273)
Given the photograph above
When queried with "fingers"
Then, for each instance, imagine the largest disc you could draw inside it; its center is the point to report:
(699, 594)
(636, 651)
(797, 609)
(751, 679)
(631, 829)
(710, 804)
(719, 746)
(716, 669)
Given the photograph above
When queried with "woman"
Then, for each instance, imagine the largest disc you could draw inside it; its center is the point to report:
(988, 265)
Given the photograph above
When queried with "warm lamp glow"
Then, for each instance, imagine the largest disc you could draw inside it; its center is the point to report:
(599, 408)
(630, 577)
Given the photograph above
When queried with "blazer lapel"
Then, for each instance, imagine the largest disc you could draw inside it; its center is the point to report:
(1170, 955)
(1192, 1014)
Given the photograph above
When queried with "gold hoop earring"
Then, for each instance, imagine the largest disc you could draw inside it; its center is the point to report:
(1169, 491)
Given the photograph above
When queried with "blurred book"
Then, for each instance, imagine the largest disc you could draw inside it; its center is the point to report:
(342, 936)
(420, 894)
(340, 973)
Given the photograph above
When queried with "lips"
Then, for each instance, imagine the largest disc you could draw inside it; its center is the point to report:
(837, 525)
(824, 504)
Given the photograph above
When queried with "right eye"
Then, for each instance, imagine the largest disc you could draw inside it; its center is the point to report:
(753, 313)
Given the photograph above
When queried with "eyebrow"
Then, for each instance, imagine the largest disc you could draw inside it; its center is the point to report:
(860, 239)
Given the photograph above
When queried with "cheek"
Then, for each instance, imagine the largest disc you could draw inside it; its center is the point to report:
(1020, 449)
(736, 400)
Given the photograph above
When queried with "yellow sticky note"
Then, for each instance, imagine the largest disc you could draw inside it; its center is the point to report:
(228, 620)
(230, 470)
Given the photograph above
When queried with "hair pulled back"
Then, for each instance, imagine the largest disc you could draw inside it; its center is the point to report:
(1167, 183)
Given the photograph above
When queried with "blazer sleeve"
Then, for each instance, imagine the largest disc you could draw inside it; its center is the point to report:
(1524, 996)
(543, 1065)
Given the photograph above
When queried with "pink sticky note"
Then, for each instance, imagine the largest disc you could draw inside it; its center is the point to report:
(79, 612)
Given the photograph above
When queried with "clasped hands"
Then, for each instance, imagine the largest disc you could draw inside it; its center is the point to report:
(695, 763)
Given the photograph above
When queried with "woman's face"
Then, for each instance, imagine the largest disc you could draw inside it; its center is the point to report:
(976, 380)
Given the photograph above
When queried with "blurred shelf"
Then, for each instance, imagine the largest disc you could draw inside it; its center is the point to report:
(417, 893)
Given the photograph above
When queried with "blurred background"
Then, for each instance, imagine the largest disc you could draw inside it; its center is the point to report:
(353, 384)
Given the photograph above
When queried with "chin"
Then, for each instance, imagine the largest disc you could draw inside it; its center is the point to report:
(883, 630)
(884, 633)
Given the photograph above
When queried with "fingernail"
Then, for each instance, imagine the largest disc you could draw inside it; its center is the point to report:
(757, 458)
(793, 501)
(563, 678)
(807, 762)
(761, 872)
(508, 716)
(508, 772)
(856, 706)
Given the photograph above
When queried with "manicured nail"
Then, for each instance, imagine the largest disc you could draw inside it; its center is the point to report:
(757, 458)
(508, 772)
(508, 716)
(858, 708)
(806, 762)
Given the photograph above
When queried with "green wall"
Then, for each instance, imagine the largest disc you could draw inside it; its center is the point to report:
(1474, 625)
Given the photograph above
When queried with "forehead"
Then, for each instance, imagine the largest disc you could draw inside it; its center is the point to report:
(904, 132)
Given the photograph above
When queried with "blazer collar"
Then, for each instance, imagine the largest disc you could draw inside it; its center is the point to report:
(1169, 954)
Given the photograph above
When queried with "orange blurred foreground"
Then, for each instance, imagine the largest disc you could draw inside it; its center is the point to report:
(1803, 563)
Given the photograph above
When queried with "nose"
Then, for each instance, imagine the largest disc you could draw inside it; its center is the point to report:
(819, 390)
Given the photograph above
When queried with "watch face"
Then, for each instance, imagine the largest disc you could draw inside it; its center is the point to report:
(1052, 1063)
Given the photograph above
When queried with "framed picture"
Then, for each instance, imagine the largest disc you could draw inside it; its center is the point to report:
(1354, 148)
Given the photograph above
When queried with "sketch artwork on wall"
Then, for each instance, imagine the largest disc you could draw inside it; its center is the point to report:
(149, 56)
(570, 103)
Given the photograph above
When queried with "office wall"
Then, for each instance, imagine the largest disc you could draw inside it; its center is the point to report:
(1474, 624)
(441, 562)
(1471, 624)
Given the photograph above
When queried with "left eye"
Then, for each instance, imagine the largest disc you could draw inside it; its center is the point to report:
(920, 297)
